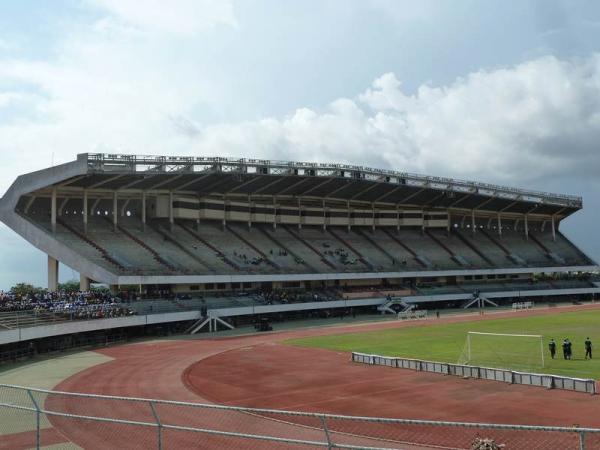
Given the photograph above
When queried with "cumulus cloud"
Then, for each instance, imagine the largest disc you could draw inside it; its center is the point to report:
(536, 119)
(517, 124)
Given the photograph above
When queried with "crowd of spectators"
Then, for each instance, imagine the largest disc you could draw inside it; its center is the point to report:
(71, 305)
(245, 259)
(284, 297)
(341, 254)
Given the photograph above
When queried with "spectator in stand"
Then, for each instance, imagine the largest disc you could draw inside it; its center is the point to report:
(71, 305)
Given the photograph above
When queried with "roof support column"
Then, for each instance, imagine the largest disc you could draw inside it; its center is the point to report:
(225, 208)
(553, 229)
(143, 210)
(526, 228)
(473, 220)
(199, 212)
(499, 226)
(274, 212)
(373, 214)
(85, 210)
(53, 210)
(348, 214)
(115, 210)
(299, 213)
(52, 274)
(84, 283)
(171, 217)
(249, 212)
(324, 216)
(449, 221)
(398, 218)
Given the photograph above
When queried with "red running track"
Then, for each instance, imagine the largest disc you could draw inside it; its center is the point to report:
(260, 371)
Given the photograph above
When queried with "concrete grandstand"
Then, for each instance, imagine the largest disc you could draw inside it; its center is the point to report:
(203, 227)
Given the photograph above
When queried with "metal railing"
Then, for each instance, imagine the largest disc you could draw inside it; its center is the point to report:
(34, 418)
(152, 163)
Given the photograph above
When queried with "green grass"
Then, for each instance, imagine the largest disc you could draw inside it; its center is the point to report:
(446, 343)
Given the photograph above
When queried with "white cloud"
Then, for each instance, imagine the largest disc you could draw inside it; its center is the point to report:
(115, 93)
(184, 17)
(540, 118)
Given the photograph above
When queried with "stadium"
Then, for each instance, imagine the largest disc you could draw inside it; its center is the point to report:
(275, 304)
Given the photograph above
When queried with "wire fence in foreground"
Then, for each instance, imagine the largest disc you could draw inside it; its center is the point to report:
(36, 418)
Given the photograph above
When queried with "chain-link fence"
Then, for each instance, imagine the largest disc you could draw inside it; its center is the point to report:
(35, 418)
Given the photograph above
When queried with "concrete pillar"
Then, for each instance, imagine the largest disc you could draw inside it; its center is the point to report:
(553, 229)
(448, 224)
(499, 225)
(143, 210)
(115, 209)
(274, 212)
(84, 283)
(199, 213)
(52, 274)
(114, 289)
(473, 220)
(373, 214)
(85, 210)
(526, 228)
(348, 215)
(53, 209)
(171, 217)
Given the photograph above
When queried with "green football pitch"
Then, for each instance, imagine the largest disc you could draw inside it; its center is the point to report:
(447, 342)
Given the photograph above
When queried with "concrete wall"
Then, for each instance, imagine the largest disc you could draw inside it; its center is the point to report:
(24, 334)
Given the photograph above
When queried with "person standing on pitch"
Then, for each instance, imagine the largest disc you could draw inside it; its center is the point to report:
(565, 349)
(569, 349)
(588, 348)
(552, 348)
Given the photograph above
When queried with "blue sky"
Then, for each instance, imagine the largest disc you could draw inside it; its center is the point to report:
(496, 91)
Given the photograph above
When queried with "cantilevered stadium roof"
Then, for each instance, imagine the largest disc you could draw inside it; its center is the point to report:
(258, 177)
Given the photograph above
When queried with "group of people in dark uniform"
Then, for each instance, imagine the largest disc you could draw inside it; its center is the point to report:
(567, 348)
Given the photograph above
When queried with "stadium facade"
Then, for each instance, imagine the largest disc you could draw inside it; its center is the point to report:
(208, 224)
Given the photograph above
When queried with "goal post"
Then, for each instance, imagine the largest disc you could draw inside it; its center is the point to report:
(506, 349)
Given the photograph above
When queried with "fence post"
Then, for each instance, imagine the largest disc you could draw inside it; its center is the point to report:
(37, 419)
(158, 425)
(326, 430)
(581, 440)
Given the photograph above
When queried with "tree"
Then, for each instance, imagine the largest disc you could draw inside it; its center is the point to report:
(69, 286)
(25, 289)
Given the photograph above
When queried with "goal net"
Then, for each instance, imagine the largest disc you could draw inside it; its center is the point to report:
(506, 351)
